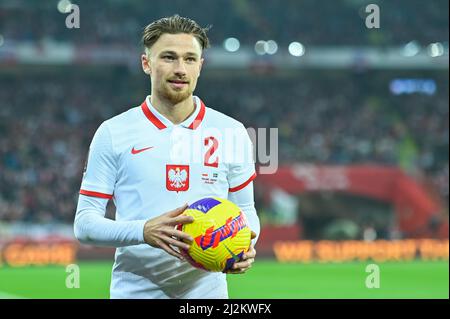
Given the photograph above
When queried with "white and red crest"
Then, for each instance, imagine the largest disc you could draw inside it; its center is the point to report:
(177, 178)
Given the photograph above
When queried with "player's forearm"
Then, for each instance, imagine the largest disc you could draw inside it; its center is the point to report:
(253, 220)
(245, 200)
(91, 227)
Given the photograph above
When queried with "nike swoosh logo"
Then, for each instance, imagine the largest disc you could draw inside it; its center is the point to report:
(233, 255)
(135, 151)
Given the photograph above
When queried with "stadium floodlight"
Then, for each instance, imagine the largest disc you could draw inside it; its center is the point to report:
(271, 47)
(260, 47)
(435, 49)
(411, 49)
(296, 49)
(231, 44)
(64, 6)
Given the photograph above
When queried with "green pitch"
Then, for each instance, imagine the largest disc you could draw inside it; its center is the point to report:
(267, 279)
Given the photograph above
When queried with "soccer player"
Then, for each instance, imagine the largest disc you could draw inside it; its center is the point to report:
(140, 160)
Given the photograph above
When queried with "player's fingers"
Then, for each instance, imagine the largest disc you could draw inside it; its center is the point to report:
(251, 253)
(243, 264)
(237, 270)
(181, 220)
(177, 243)
(170, 250)
(178, 234)
(177, 211)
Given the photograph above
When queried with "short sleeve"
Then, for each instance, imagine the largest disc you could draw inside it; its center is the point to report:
(242, 169)
(100, 172)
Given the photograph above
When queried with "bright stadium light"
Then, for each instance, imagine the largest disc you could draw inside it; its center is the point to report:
(64, 6)
(296, 49)
(411, 49)
(260, 47)
(271, 47)
(231, 44)
(435, 49)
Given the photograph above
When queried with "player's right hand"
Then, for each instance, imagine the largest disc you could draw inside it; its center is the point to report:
(160, 232)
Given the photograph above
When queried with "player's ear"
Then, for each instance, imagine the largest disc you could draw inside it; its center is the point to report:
(201, 65)
(145, 61)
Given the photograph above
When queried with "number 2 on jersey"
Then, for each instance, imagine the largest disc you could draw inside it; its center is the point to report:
(214, 145)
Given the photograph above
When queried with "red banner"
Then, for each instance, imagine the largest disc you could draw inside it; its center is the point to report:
(415, 209)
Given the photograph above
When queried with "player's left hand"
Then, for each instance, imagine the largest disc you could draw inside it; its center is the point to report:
(247, 260)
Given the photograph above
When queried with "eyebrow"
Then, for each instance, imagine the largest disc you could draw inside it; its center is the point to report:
(174, 53)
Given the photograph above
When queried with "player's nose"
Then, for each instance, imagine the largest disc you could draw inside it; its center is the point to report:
(180, 69)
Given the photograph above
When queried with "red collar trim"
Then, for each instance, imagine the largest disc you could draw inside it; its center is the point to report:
(151, 117)
(160, 125)
(199, 118)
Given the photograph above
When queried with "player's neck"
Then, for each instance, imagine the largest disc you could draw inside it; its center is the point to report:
(176, 113)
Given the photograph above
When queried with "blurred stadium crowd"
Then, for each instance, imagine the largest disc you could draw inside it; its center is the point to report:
(249, 20)
(47, 119)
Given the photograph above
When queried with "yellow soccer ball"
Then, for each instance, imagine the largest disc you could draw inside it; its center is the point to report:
(220, 231)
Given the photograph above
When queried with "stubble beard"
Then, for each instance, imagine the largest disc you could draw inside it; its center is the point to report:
(173, 96)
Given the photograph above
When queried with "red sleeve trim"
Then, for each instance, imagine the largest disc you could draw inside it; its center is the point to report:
(95, 194)
(238, 188)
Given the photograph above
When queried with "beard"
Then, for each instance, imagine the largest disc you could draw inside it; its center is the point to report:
(175, 97)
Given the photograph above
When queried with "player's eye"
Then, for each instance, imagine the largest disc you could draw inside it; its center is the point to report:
(168, 57)
(191, 59)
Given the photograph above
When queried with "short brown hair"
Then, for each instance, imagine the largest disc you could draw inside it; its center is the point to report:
(174, 25)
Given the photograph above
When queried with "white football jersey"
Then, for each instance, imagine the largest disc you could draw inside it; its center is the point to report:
(149, 166)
